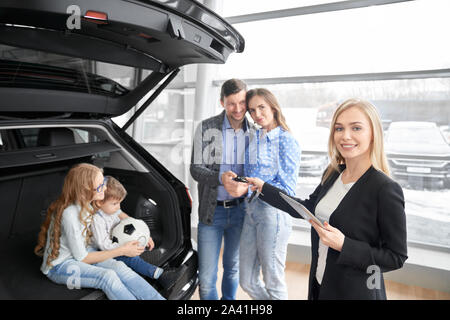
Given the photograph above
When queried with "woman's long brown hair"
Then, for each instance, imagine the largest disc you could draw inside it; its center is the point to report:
(272, 101)
(78, 189)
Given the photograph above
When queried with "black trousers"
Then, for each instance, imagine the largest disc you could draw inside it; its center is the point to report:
(315, 289)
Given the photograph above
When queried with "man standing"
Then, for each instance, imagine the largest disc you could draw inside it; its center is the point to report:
(219, 146)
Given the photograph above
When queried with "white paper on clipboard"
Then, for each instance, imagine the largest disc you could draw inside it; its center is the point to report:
(301, 209)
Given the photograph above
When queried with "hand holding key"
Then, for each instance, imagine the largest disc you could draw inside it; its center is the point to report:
(234, 188)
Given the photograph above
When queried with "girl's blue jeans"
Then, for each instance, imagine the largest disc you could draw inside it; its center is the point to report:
(263, 246)
(113, 277)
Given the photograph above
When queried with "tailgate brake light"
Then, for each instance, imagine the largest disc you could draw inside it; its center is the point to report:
(96, 17)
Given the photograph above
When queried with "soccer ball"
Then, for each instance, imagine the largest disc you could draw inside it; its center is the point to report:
(131, 229)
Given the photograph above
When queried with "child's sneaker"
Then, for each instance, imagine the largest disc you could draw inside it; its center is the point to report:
(158, 272)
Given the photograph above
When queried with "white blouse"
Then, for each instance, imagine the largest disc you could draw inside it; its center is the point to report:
(324, 209)
(72, 244)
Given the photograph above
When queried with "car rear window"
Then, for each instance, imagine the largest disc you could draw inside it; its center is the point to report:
(15, 139)
(28, 68)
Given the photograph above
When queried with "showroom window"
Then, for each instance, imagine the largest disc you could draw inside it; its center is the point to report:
(393, 55)
(238, 7)
(418, 153)
(396, 37)
(313, 62)
(165, 128)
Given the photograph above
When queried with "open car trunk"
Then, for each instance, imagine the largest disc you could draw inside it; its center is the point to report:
(160, 36)
(35, 179)
(59, 88)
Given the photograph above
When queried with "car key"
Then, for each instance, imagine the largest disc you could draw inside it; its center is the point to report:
(240, 179)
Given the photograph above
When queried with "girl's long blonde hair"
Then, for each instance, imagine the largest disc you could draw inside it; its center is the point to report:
(78, 189)
(377, 155)
(271, 100)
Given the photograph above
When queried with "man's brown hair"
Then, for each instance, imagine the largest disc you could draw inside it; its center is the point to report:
(232, 86)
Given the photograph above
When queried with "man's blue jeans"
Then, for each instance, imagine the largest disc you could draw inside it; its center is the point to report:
(264, 242)
(113, 277)
(139, 265)
(227, 224)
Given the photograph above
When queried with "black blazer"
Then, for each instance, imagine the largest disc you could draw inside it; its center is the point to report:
(372, 218)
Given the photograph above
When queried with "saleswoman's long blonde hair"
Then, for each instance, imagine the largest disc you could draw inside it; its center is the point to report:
(78, 189)
(377, 155)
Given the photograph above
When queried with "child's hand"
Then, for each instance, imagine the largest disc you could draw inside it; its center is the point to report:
(123, 215)
(132, 249)
(150, 244)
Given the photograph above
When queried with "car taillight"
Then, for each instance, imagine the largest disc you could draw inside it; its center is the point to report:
(96, 17)
(189, 196)
(144, 35)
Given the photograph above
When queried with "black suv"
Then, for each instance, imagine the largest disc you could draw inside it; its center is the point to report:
(418, 153)
(56, 105)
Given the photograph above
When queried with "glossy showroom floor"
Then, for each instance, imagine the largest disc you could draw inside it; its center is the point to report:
(297, 281)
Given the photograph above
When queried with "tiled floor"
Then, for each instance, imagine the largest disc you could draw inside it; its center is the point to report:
(297, 282)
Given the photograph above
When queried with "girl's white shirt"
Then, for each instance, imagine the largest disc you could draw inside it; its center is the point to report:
(73, 238)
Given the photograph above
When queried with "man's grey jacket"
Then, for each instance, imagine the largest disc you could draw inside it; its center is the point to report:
(206, 158)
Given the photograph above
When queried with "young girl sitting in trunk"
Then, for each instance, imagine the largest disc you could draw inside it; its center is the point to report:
(107, 217)
(65, 235)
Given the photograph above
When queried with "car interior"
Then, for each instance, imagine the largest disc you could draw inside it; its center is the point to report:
(34, 179)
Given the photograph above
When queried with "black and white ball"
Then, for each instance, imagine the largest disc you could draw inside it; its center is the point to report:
(131, 229)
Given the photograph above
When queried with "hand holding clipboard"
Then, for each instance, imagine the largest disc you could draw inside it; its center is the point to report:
(329, 236)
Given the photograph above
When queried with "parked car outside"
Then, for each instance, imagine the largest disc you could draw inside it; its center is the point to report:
(55, 111)
(314, 145)
(418, 152)
(446, 132)
(325, 114)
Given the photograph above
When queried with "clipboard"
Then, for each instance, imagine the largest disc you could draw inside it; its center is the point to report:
(301, 209)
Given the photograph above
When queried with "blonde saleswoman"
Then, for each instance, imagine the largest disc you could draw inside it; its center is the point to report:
(362, 208)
